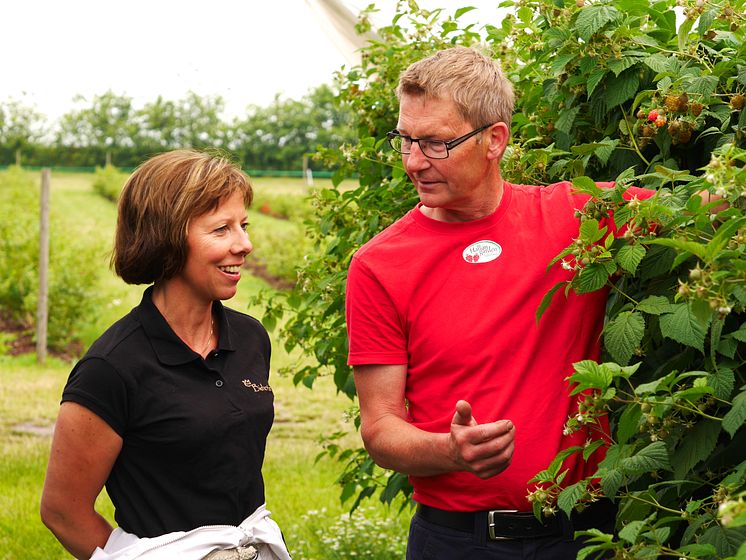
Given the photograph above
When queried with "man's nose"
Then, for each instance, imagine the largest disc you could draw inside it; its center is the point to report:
(416, 159)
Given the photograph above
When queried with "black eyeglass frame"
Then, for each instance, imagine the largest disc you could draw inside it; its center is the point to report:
(448, 144)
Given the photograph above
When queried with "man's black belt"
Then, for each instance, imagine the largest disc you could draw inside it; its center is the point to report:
(500, 524)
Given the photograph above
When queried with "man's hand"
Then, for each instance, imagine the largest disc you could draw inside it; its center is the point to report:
(482, 449)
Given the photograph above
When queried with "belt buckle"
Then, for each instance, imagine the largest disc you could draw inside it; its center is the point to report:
(491, 523)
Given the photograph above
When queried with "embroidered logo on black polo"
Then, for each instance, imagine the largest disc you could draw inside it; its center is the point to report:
(249, 384)
(482, 252)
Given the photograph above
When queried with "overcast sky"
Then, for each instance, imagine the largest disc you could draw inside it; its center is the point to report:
(247, 51)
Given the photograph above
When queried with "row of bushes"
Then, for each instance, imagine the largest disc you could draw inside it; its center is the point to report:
(73, 279)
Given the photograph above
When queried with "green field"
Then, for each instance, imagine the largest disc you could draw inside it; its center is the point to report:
(301, 491)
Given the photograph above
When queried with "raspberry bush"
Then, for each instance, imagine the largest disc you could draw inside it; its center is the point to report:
(637, 92)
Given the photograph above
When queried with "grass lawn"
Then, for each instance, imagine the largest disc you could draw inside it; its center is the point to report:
(300, 491)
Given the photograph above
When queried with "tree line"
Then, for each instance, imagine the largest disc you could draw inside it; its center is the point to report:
(109, 129)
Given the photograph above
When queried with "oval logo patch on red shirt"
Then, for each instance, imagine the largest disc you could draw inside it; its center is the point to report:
(482, 252)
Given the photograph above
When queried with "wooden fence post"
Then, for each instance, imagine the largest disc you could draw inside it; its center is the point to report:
(41, 308)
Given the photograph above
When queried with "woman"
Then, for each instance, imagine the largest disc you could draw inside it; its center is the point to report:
(170, 408)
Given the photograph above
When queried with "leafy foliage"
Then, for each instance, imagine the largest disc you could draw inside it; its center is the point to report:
(73, 274)
(108, 182)
(109, 129)
(614, 90)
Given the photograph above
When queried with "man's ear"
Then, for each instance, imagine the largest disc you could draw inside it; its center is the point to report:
(499, 134)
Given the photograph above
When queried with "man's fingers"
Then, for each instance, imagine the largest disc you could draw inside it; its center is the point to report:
(463, 416)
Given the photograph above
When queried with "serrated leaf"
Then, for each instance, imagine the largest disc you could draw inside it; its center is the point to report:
(702, 85)
(698, 550)
(725, 541)
(547, 299)
(628, 422)
(651, 458)
(559, 63)
(570, 495)
(622, 64)
(682, 326)
(658, 63)
(692, 247)
(722, 382)
(621, 88)
(736, 416)
(655, 305)
(697, 446)
(590, 232)
(611, 481)
(623, 334)
(740, 334)
(630, 256)
(631, 530)
(590, 449)
(594, 79)
(592, 19)
(591, 278)
(590, 375)
(566, 119)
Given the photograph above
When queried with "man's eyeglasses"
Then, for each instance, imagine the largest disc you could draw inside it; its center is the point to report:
(434, 149)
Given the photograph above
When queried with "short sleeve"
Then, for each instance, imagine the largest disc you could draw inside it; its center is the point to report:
(375, 330)
(95, 384)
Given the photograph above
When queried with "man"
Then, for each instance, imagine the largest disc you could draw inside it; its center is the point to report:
(459, 387)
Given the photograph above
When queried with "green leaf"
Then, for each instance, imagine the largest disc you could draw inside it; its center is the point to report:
(697, 249)
(588, 186)
(698, 550)
(629, 420)
(566, 119)
(651, 458)
(631, 530)
(630, 256)
(592, 19)
(590, 375)
(722, 382)
(697, 446)
(611, 481)
(683, 326)
(740, 334)
(736, 415)
(655, 305)
(559, 63)
(622, 88)
(591, 278)
(462, 11)
(570, 496)
(658, 63)
(547, 299)
(703, 85)
(725, 541)
(594, 79)
(622, 64)
(623, 334)
(590, 232)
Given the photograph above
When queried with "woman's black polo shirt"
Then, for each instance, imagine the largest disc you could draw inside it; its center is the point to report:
(194, 430)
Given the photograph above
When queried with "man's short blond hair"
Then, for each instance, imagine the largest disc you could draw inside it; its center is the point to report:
(472, 80)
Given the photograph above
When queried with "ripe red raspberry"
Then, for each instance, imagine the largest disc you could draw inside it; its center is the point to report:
(652, 115)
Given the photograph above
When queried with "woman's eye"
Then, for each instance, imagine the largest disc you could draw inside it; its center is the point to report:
(245, 226)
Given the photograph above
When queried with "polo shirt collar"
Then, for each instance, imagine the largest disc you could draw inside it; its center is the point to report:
(168, 347)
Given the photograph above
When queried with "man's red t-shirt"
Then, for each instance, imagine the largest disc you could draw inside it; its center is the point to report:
(457, 302)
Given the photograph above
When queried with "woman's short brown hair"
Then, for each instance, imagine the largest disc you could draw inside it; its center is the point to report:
(155, 207)
(472, 80)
